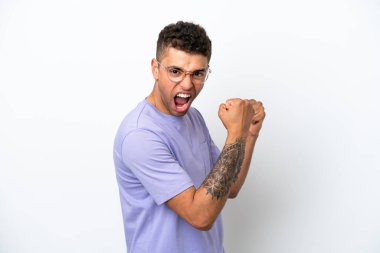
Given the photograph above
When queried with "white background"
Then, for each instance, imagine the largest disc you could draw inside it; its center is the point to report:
(71, 70)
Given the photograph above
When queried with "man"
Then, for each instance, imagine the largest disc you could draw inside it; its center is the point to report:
(173, 180)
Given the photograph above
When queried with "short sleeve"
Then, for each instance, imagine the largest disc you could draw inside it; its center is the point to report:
(151, 161)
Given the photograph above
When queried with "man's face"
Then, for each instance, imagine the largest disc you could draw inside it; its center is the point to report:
(171, 97)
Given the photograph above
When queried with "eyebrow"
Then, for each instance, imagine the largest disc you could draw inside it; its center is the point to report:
(175, 67)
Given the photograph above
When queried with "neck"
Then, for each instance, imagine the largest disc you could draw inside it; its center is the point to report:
(151, 99)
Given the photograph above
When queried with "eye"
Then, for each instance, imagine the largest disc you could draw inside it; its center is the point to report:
(199, 74)
(175, 72)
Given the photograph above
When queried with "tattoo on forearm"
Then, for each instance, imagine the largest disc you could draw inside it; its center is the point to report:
(226, 170)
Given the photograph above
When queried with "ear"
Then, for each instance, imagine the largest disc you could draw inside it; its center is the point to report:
(154, 66)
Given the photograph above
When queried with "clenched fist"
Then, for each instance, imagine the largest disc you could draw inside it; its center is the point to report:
(242, 117)
(236, 115)
(258, 117)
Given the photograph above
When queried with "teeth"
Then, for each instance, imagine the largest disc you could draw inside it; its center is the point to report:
(181, 95)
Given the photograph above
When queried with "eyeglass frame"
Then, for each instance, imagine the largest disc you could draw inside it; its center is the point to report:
(191, 73)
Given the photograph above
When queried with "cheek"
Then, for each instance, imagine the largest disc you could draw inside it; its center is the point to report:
(198, 89)
(166, 90)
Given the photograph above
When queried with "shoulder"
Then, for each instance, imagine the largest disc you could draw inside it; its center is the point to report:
(138, 115)
(195, 114)
(194, 111)
(141, 117)
(141, 141)
(137, 127)
(196, 117)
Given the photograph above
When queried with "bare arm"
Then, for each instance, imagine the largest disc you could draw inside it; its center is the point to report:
(200, 207)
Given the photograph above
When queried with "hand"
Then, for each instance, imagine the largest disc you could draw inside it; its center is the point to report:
(257, 119)
(236, 115)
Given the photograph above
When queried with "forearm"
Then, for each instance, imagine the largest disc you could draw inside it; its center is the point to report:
(249, 148)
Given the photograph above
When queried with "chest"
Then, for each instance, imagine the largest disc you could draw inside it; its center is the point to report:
(190, 147)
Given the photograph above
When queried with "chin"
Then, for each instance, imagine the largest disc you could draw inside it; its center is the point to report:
(179, 114)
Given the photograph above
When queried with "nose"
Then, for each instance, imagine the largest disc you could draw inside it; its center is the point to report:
(187, 82)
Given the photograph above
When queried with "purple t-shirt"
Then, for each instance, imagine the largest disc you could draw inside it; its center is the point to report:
(157, 156)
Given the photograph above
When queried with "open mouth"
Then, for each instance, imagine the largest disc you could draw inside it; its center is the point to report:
(181, 99)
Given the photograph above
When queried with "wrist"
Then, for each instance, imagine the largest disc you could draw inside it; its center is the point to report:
(252, 136)
(232, 137)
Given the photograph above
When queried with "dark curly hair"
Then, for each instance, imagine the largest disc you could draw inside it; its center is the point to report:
(185, 36)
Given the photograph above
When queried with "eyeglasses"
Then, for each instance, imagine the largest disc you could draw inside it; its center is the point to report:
(176, 74)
